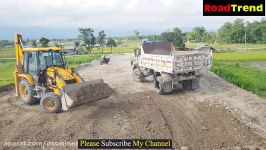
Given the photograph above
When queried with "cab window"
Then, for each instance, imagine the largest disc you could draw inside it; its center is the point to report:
(33, 64)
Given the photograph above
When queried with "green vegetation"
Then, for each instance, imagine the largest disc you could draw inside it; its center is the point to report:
(240, 56)
(44, 42)
(74, 61)
(231, 47)
(251, 79)
(7, 67)
(7, 53)
(229, 67)
(88, 39)
(111, 43)
(175, 37)
(119, 50)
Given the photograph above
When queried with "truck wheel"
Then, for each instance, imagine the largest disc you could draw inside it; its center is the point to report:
(159, 85)
(51, 103)
(26, 92)
(137, 76)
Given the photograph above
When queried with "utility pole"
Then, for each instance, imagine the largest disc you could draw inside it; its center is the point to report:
(245, 39)
(245, 26)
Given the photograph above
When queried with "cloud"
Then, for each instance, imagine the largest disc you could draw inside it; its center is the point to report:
(153, 15)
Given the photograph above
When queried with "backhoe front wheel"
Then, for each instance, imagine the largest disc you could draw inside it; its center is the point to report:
(26, 92)
(51, 103)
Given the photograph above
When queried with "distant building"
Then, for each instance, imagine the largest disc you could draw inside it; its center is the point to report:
(70, 50)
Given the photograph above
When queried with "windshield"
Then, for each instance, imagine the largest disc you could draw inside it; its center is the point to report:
(50, 58)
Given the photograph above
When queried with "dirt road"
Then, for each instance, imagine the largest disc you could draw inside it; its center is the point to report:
(216, 116)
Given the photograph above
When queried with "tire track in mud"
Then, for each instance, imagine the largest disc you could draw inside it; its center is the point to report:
(111, 109)
(166, 122)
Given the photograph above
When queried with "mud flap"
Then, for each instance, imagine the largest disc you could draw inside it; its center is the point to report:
(190, 84)
(80, 93)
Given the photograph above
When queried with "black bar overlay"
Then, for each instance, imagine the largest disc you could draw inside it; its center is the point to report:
(124, 144)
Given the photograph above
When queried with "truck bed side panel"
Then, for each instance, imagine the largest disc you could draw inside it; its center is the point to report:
(161, 63)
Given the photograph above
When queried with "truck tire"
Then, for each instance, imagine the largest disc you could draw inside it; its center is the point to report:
(137, 76)
(27, 93)
(159, 85)
(51, 103)
(190, 84)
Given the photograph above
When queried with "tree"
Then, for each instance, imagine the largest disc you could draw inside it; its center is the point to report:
(119, 42)
(175, 37)
(58, 45)
(76, 43)
(224, 33)
(87, 38)
(137, 35)
(232, 32)
(238, 31)
(28, 42)
(34, 43)
(111, 43)
(44, 42)
(199, 33)
(100, 39)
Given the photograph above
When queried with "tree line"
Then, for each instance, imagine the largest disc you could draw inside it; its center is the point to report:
(237, 31)
(88, 40)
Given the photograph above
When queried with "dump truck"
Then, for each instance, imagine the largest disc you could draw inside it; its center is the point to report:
(168, 67)
(42, 76)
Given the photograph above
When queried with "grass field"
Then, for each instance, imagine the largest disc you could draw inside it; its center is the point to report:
(231, 47)
(229, 67)
(241, 56)
(6, 71)
(74, 61)
(116, 50)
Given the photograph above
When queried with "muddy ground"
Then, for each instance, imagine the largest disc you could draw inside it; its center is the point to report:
(218, 115)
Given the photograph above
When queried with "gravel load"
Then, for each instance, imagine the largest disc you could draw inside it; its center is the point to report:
(87, 91)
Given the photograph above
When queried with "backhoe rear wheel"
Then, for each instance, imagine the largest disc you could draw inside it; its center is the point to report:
(51, 103)
(26, 92)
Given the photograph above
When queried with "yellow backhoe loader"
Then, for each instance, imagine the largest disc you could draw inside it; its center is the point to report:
(42, 76)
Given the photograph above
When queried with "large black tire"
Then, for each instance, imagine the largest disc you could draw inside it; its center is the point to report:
(137, 76)
(159, 85)
(26, 92)
(51, 103)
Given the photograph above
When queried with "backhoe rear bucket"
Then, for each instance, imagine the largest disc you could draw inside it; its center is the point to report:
(84, 92)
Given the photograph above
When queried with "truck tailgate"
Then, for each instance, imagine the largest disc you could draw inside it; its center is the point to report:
(190, 61)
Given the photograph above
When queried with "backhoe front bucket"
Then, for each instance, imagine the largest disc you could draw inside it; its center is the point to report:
(84, 92)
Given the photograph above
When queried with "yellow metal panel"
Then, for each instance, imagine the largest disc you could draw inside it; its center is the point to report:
(26, 76)
(15, 73)
(19, 54)
(42, 49)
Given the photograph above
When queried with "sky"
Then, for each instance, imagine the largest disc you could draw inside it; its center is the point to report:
(61, 18)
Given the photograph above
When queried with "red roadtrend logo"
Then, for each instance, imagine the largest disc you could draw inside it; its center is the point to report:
(234, 7)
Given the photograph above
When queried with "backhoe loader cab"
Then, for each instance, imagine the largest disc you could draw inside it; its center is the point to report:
(41, 75)
(36, 61)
